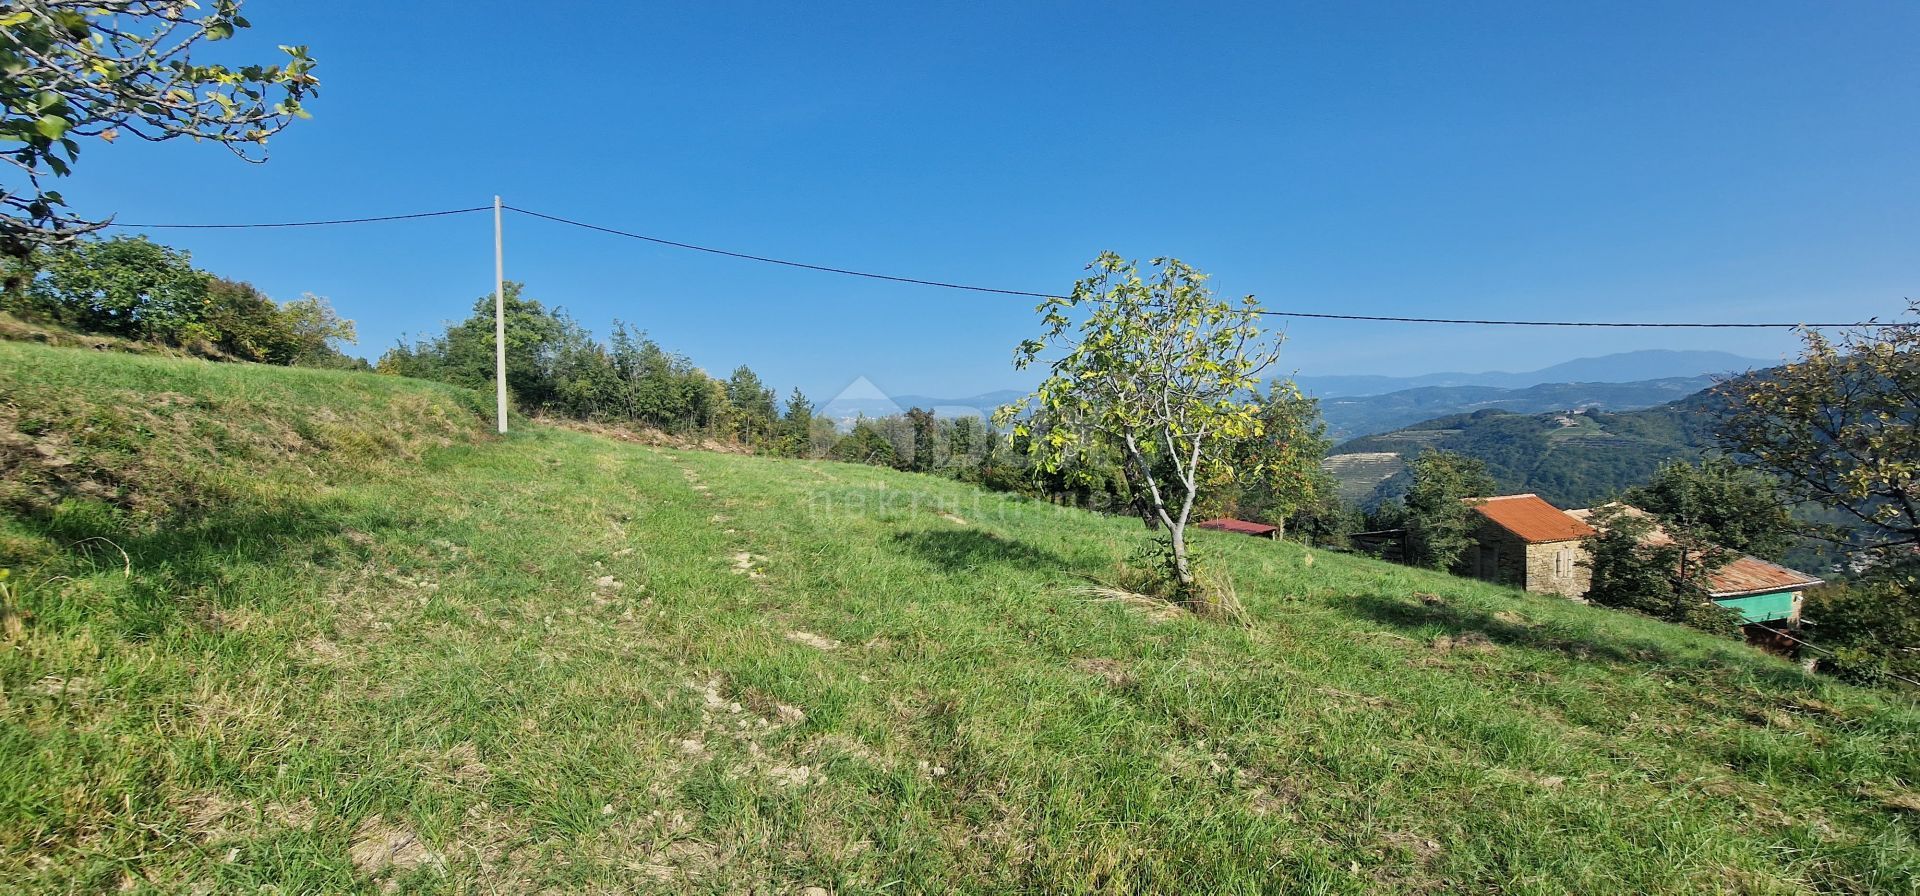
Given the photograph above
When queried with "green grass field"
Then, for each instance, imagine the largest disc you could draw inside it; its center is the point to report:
(301, 632)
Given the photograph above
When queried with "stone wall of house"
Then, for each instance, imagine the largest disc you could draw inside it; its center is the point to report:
(1495, 556)
(1558, 567)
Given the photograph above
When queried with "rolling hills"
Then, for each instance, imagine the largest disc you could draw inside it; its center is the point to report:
(302, 631)
(1349, 418)
(1621, 367)
(1571, 459)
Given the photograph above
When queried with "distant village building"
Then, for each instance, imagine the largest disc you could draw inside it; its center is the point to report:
(1243, 527)
(1523, 541)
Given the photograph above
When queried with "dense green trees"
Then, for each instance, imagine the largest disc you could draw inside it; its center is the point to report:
(1658, 550)
(1718, 502)
(554, 366)
(1871, 627)
(1287, 480)
(135, 289)
(1437, 513)
(1658, 566)
(1840, 427)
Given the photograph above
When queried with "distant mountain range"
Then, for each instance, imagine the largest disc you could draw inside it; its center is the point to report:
(1364, 415)
(1626, 367)
(1362, 405)
(863, 399)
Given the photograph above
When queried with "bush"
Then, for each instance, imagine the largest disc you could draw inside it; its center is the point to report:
(138, 290)
(1872, 627)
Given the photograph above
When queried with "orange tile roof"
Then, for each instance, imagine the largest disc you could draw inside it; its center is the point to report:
(1531, 519)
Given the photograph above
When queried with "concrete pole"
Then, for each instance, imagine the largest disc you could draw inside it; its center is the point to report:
(499, 318)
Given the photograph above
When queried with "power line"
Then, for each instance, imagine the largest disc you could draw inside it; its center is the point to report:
(1267, 312)
(407, 217)
(1569, 323)
(917, 281)
(792, 264)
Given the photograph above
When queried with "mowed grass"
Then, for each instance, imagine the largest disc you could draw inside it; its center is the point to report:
(381, 648)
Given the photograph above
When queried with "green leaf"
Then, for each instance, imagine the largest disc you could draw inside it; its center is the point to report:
(52, 127)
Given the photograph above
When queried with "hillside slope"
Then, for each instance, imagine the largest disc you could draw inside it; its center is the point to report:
(1572, 460)
(427, 657)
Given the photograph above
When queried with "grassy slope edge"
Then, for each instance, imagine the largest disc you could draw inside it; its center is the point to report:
(383, 647)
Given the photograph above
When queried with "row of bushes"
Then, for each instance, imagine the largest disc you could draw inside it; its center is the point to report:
(138, 290)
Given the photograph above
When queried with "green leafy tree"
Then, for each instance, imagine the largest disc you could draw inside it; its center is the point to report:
(136, 289)
(1439, 516)
(1640, 565)
(866, 444)
(463, 355)
(796, 425)
(106, 68)
(1718, 502)
(249, 325)
(315, 332)
(926, 430)
(1840, 427)
(1156, 372)
(755, 417)
(133, 288)
(1287, 455)
(966, 443)
(1871, 627)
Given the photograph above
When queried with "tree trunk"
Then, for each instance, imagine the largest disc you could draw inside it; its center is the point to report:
(1182, 571)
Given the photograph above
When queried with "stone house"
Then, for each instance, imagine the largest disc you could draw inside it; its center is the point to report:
(1523, 541)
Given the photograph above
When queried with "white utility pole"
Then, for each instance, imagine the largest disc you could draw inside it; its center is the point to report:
(499, 318)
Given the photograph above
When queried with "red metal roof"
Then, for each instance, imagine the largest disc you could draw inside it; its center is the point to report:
(1745, 575)
(1752, 575)
(1226, 524)
(1531, 519)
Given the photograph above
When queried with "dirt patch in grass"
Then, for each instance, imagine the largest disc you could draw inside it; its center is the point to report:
(812, 640)
(1113, 672)
(1906, 801)
(380, 848)
(1464, 642)
(747, 564)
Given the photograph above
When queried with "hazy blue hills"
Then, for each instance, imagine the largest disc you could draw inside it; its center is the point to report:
(1625, 367)
(1350, 417)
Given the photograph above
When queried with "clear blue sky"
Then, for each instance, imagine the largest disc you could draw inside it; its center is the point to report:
(1737, 161)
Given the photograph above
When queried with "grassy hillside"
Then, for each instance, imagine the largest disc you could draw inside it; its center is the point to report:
(381, 648)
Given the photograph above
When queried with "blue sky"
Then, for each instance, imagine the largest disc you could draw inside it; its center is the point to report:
(1736, 161)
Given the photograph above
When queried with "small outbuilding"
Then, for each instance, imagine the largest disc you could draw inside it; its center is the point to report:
(1766, 595)
(1523, 541)
(1243, 527)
